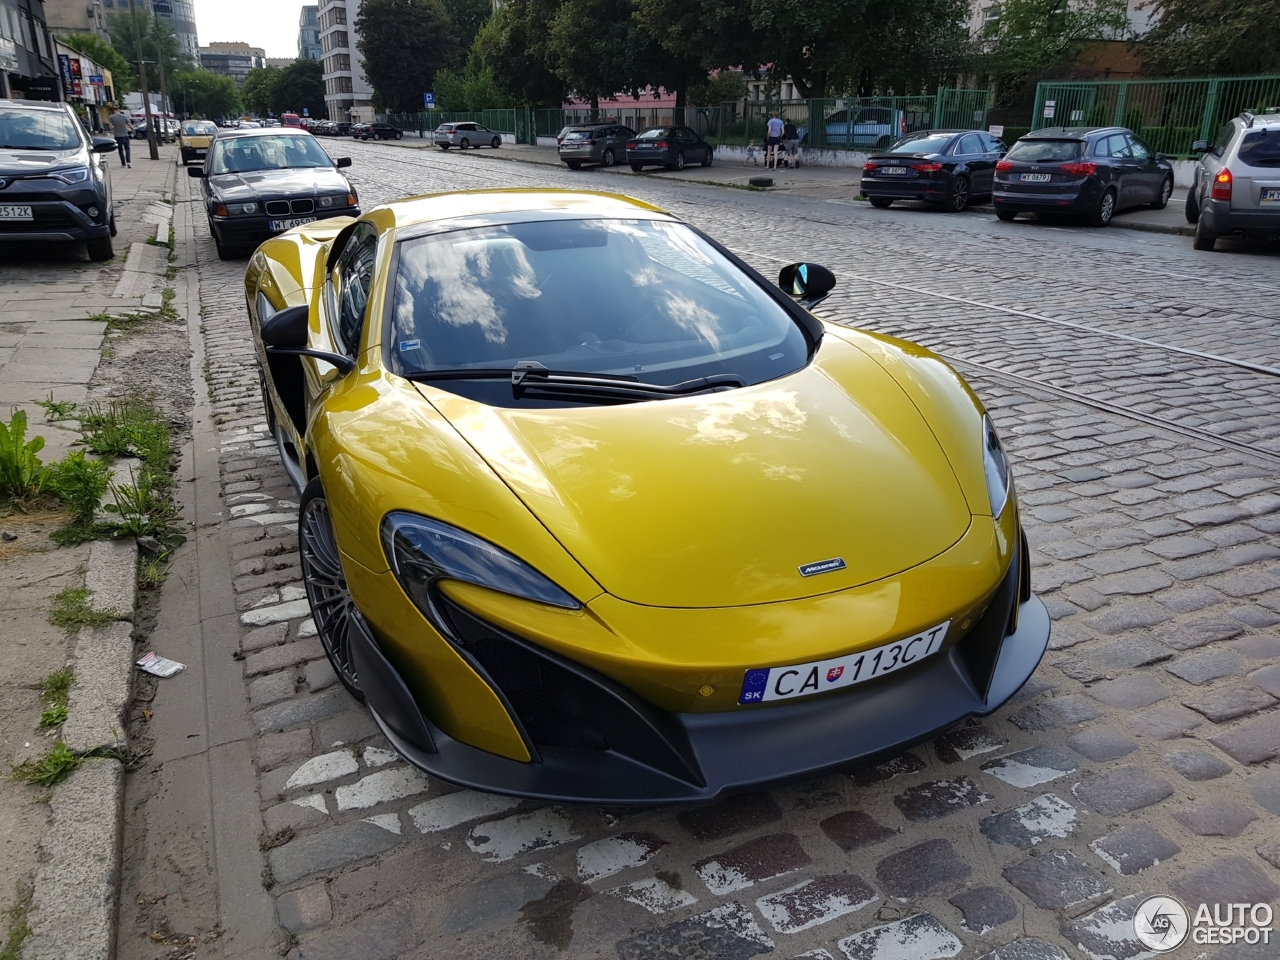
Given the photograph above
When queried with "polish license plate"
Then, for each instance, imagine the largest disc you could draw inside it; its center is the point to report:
(1036, 177)
(202, 150)
(1271, 195)
(288, 224)
(894, 171)
(11, 212)
(806, 679)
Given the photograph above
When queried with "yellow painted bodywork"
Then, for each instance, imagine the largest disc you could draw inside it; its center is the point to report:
(677, 524)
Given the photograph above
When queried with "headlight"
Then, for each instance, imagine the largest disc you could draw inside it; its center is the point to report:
(996, 465)
(241, 209)
(422, 551)
(337, 200)
(72, 175)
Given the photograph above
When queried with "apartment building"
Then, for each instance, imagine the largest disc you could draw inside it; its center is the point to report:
(347, 94)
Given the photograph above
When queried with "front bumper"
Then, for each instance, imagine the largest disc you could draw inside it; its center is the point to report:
(654, 756)
(59, 217)
(245, 231)
(1219, 218)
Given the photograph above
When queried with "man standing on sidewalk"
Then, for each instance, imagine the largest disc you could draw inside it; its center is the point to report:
(121, 130)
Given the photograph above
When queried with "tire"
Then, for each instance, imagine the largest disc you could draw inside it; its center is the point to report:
(100, 249)
(880, 203)
(464, 144)
(365, 138)
(679, 161)
(332, 609)
(496, 142)
(706, 161)
(573, 164)
(268, 410)
(1204, 240)
(224, 252)
(1105, 211)
(111, 224)
(1006, 215)
(1166, 191)
(445, 146)
(958, 197)
(399, 134)
(607, 159)
(1192, 208)
(637, 167)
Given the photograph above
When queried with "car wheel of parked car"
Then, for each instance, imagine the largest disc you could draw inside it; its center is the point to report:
(1106, 207)
(881, 202)
(637, 167)
(679, 164)
(364, 136)
(399, 134)
(607, 159)
(224, 252)
(496, 142)
(444, 146)
(1166, 191)
(1192, 209)
(958, 198)
(706, 161)
(100, 250)
(111, 224)
(1006, 215)
(334, 612)
(464, 144)
(574, 164)
(1204, 240)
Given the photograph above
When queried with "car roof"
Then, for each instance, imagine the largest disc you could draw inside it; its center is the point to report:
(537, 203)
(264, 132)
(1071, 133)
(33, 104)
(1261, 119)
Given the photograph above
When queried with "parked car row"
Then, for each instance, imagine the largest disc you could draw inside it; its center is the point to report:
(673, 147)
(330, 128)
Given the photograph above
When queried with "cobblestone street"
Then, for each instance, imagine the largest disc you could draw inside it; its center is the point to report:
(1137, 386)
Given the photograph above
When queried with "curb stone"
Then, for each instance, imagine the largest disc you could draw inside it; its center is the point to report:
(112, 577)
(100, 691)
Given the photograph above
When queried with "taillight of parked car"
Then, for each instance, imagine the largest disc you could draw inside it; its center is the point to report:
(659, 145)
(1080, 168)
(1004, 166)
(632, 144)
(1222, 185)
(927, 167)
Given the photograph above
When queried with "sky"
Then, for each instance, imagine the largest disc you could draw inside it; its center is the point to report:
(270, 24)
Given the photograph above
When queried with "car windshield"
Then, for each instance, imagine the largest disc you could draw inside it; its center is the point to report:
(922, 144)
(1261, 148)
(1045, 151)
(37, 129)
(654, 134)
(636, 298)
(199, 128)
(249, 154)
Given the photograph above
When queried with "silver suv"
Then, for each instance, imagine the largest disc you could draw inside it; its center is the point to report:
(1237, 183)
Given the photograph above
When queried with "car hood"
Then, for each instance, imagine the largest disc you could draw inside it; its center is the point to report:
(719, 500)
(25, 163)
(265, 183)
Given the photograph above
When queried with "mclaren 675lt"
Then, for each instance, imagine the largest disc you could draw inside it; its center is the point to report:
(591, 511)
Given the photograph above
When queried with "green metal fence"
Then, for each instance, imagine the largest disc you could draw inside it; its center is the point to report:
(516, 121)
(1168, 114)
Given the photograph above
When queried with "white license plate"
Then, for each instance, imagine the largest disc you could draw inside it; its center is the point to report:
(894, 171)
(201, 150)
(806, 679)
(289, 224)
(1035, 177)
(1271, 195)
(10, 212)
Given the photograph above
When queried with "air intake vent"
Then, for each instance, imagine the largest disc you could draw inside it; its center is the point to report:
(277, 208)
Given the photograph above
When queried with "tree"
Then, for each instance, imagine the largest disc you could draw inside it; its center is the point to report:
(590, 48)
(514, 43)
(158, 43)
(403, 43)
(1197, 37)
(201, 93)
(300, 86)
(466, 18)
(124, 75)
(471, 88)
(259, 90)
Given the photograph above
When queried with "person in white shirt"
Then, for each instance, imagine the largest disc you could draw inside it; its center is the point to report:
(773, 137)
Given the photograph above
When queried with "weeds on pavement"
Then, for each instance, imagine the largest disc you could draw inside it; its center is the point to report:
(55, 689)
(80, 483)
(18, 929)
(55, 410)
(151, 572)
(131, 427)
(54, 767)
(23, 476)
(71, 610)
(139, 510)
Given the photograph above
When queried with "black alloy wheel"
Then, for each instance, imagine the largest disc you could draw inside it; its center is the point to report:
(332, 608)
(881, 203)
(496, 142)
(399, 134)
(679, 164)
(607, 160)
(1105, 210)
(464, 144)
(958, 196)
(1162, 198)
(706, 161)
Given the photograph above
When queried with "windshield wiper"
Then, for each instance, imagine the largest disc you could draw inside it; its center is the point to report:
(530, 376)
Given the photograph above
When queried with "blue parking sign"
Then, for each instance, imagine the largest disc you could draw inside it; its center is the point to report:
(429, 99)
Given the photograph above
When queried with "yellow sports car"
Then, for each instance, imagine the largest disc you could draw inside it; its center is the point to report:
(592, 511)
(195, 137)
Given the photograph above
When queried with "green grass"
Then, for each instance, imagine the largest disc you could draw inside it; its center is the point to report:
(55, 689)
(54, 767)
(131, 427)
(71, 611)
(55, 410)
(18, 928)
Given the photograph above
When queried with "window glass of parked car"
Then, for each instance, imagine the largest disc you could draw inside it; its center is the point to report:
(38, 130)
(1260, 148)
(1137, 149)
(352, 278)
(249, 154)
(932, 143)
(199, 128)
(994, 144)
(657, 133)
(1045, 151)
(969, 145)
(1224, 138)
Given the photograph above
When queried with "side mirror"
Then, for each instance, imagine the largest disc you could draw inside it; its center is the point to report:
(104, 145)
(286, 333)
(342, 162)
(1160, 156)
(810, 283)
(196, 172)
(1200, 146)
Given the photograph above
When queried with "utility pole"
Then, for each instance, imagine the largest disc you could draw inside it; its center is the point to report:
(164, 91)
(142, 82)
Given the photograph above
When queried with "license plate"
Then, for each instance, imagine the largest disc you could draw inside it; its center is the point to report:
(806, 679)
(1035, 177)
(1271, 195)
(288, 224)
(201, 150)
(894, 171)
(10, 212)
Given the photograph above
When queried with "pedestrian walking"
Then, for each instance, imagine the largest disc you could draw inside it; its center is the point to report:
(122, 130)
(791, 144)
(773, 137)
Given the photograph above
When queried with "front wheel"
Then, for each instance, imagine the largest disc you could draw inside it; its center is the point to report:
(332, 609)
(607, 160)
(637, 167)
(100, 250)
(881, 203)
(1191, 210)
(399, 135)
(958, 198)
(1162, 198)
(496, 142)
(464, 144)
(1204, 239)
(1106, 208)
(706, 161)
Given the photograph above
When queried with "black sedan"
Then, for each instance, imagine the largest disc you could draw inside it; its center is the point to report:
(1089, 173)
(670, 147)
(376, 131)
(258, 183)
(944, 167)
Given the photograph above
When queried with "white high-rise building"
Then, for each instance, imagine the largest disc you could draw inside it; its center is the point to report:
(347, 94)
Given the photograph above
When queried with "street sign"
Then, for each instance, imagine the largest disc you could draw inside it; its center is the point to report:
(1048, 108)
(428, 99)
(306, 111)
(996, 130)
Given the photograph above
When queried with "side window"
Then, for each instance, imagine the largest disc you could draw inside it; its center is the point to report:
(994, 144)
(969, 145)
(1138, 149)
(1102, 147)
(352, 279)
(1224, 138)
